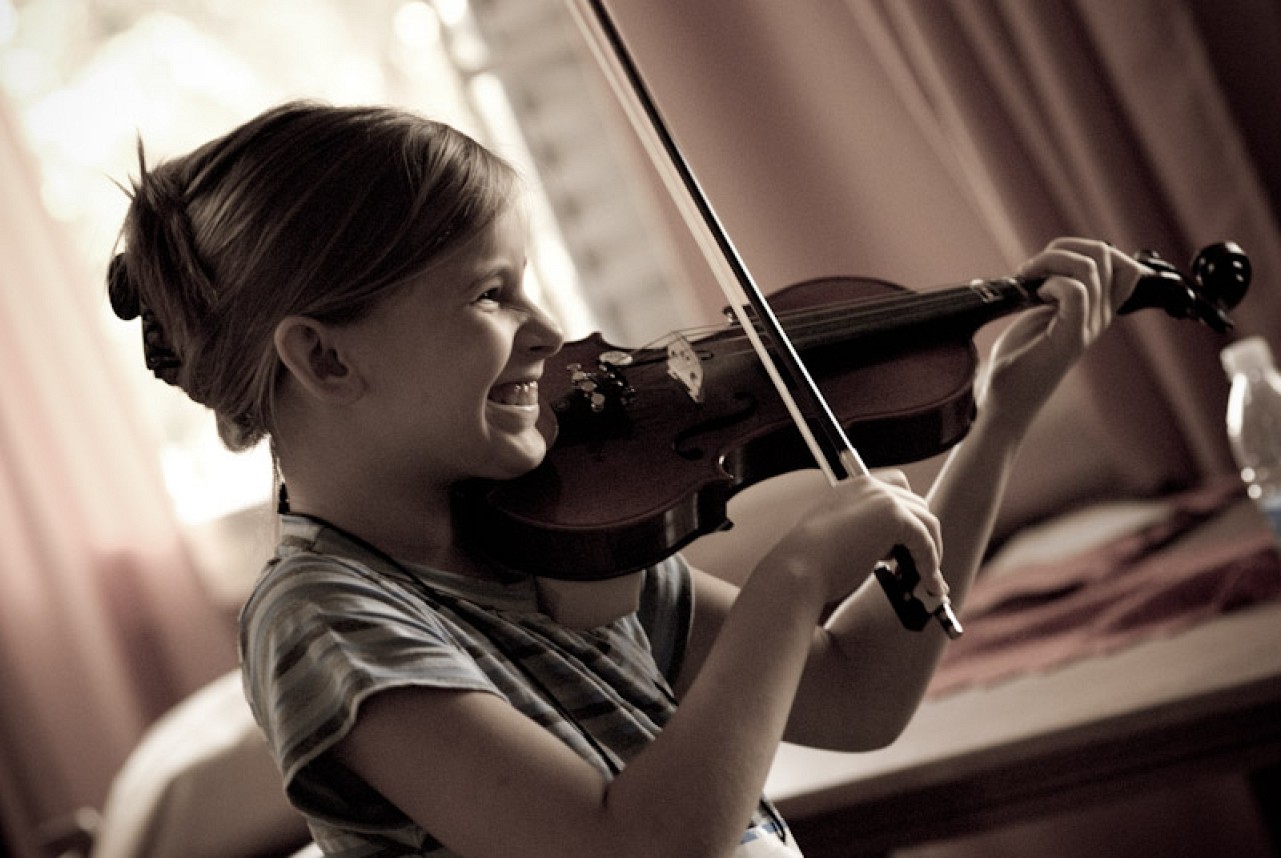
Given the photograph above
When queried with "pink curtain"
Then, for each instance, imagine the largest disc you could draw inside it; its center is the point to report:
(103, 624)
(1107, 119)
(930, 142)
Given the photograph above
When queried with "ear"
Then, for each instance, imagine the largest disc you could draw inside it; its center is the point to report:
(311, 351)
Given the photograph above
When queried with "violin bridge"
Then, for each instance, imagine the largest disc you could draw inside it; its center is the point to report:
(684, 366)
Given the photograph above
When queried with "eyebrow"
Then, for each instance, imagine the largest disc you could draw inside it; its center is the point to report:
(500, 267)
(489, 270)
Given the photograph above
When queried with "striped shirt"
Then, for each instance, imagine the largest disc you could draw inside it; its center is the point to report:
(332, 621)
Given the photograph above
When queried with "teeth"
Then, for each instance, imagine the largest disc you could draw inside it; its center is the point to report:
(522, 393)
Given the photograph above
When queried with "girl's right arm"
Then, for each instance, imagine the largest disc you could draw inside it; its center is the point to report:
(499, 782)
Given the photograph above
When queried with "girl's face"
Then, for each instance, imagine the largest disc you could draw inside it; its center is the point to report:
(452, 362)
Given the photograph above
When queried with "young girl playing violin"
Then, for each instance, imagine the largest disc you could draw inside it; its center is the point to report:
(347, 282)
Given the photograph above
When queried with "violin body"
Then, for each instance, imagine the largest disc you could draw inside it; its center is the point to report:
(645, 468)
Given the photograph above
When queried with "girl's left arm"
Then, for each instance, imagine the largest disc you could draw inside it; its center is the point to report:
(867, 674)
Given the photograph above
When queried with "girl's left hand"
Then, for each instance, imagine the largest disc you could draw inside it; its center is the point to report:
(1085, 282)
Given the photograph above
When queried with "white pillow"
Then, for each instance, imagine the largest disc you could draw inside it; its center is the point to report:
(200, 784)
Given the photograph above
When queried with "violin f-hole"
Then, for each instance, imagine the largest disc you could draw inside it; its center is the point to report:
(683, 445)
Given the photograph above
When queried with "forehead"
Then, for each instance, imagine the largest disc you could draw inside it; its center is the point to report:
(503, 240)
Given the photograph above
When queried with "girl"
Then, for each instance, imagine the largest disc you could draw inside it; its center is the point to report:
(348, 283)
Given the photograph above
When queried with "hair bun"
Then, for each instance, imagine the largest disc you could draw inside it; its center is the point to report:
(121, 290)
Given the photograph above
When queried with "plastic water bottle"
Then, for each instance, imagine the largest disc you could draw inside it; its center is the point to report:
(1254, 422)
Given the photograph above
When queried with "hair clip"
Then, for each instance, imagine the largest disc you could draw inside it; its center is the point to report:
(120, 289)
(157, 353)
(159, 356)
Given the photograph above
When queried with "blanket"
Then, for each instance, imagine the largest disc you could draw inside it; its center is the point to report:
(1153, 581)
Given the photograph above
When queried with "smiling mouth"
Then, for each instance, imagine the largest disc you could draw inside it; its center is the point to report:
(521, 394)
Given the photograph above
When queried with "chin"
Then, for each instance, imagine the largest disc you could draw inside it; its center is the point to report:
(517, 462)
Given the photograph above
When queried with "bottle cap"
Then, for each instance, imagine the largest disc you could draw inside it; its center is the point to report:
(1247, 355)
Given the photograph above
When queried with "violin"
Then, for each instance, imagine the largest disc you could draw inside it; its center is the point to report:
(652, 442)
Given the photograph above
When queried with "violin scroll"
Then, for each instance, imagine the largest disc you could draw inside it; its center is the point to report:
(1220, 277)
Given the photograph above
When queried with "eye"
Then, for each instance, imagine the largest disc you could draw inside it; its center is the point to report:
(492, 295)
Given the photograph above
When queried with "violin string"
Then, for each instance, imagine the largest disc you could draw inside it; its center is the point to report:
(861, 316)
(870, 312)
(658, 346)
(805, 326)
(850, 317)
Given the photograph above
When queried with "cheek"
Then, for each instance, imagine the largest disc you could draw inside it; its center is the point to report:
(448, 368)
(486, 354)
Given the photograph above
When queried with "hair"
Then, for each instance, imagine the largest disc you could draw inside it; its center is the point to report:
(307, 209)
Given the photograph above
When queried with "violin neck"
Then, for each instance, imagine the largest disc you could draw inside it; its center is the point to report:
(950, 311)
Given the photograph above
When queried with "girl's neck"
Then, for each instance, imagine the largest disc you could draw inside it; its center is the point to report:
(410, 520)
(413, 530)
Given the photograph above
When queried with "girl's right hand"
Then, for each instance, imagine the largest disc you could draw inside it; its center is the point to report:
(853, 527)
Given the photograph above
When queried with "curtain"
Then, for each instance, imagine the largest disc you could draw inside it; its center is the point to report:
(931, 142)
(103, 624)
(1105, 119)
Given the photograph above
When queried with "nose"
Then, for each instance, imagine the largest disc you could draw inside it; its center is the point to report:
(541, 333)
